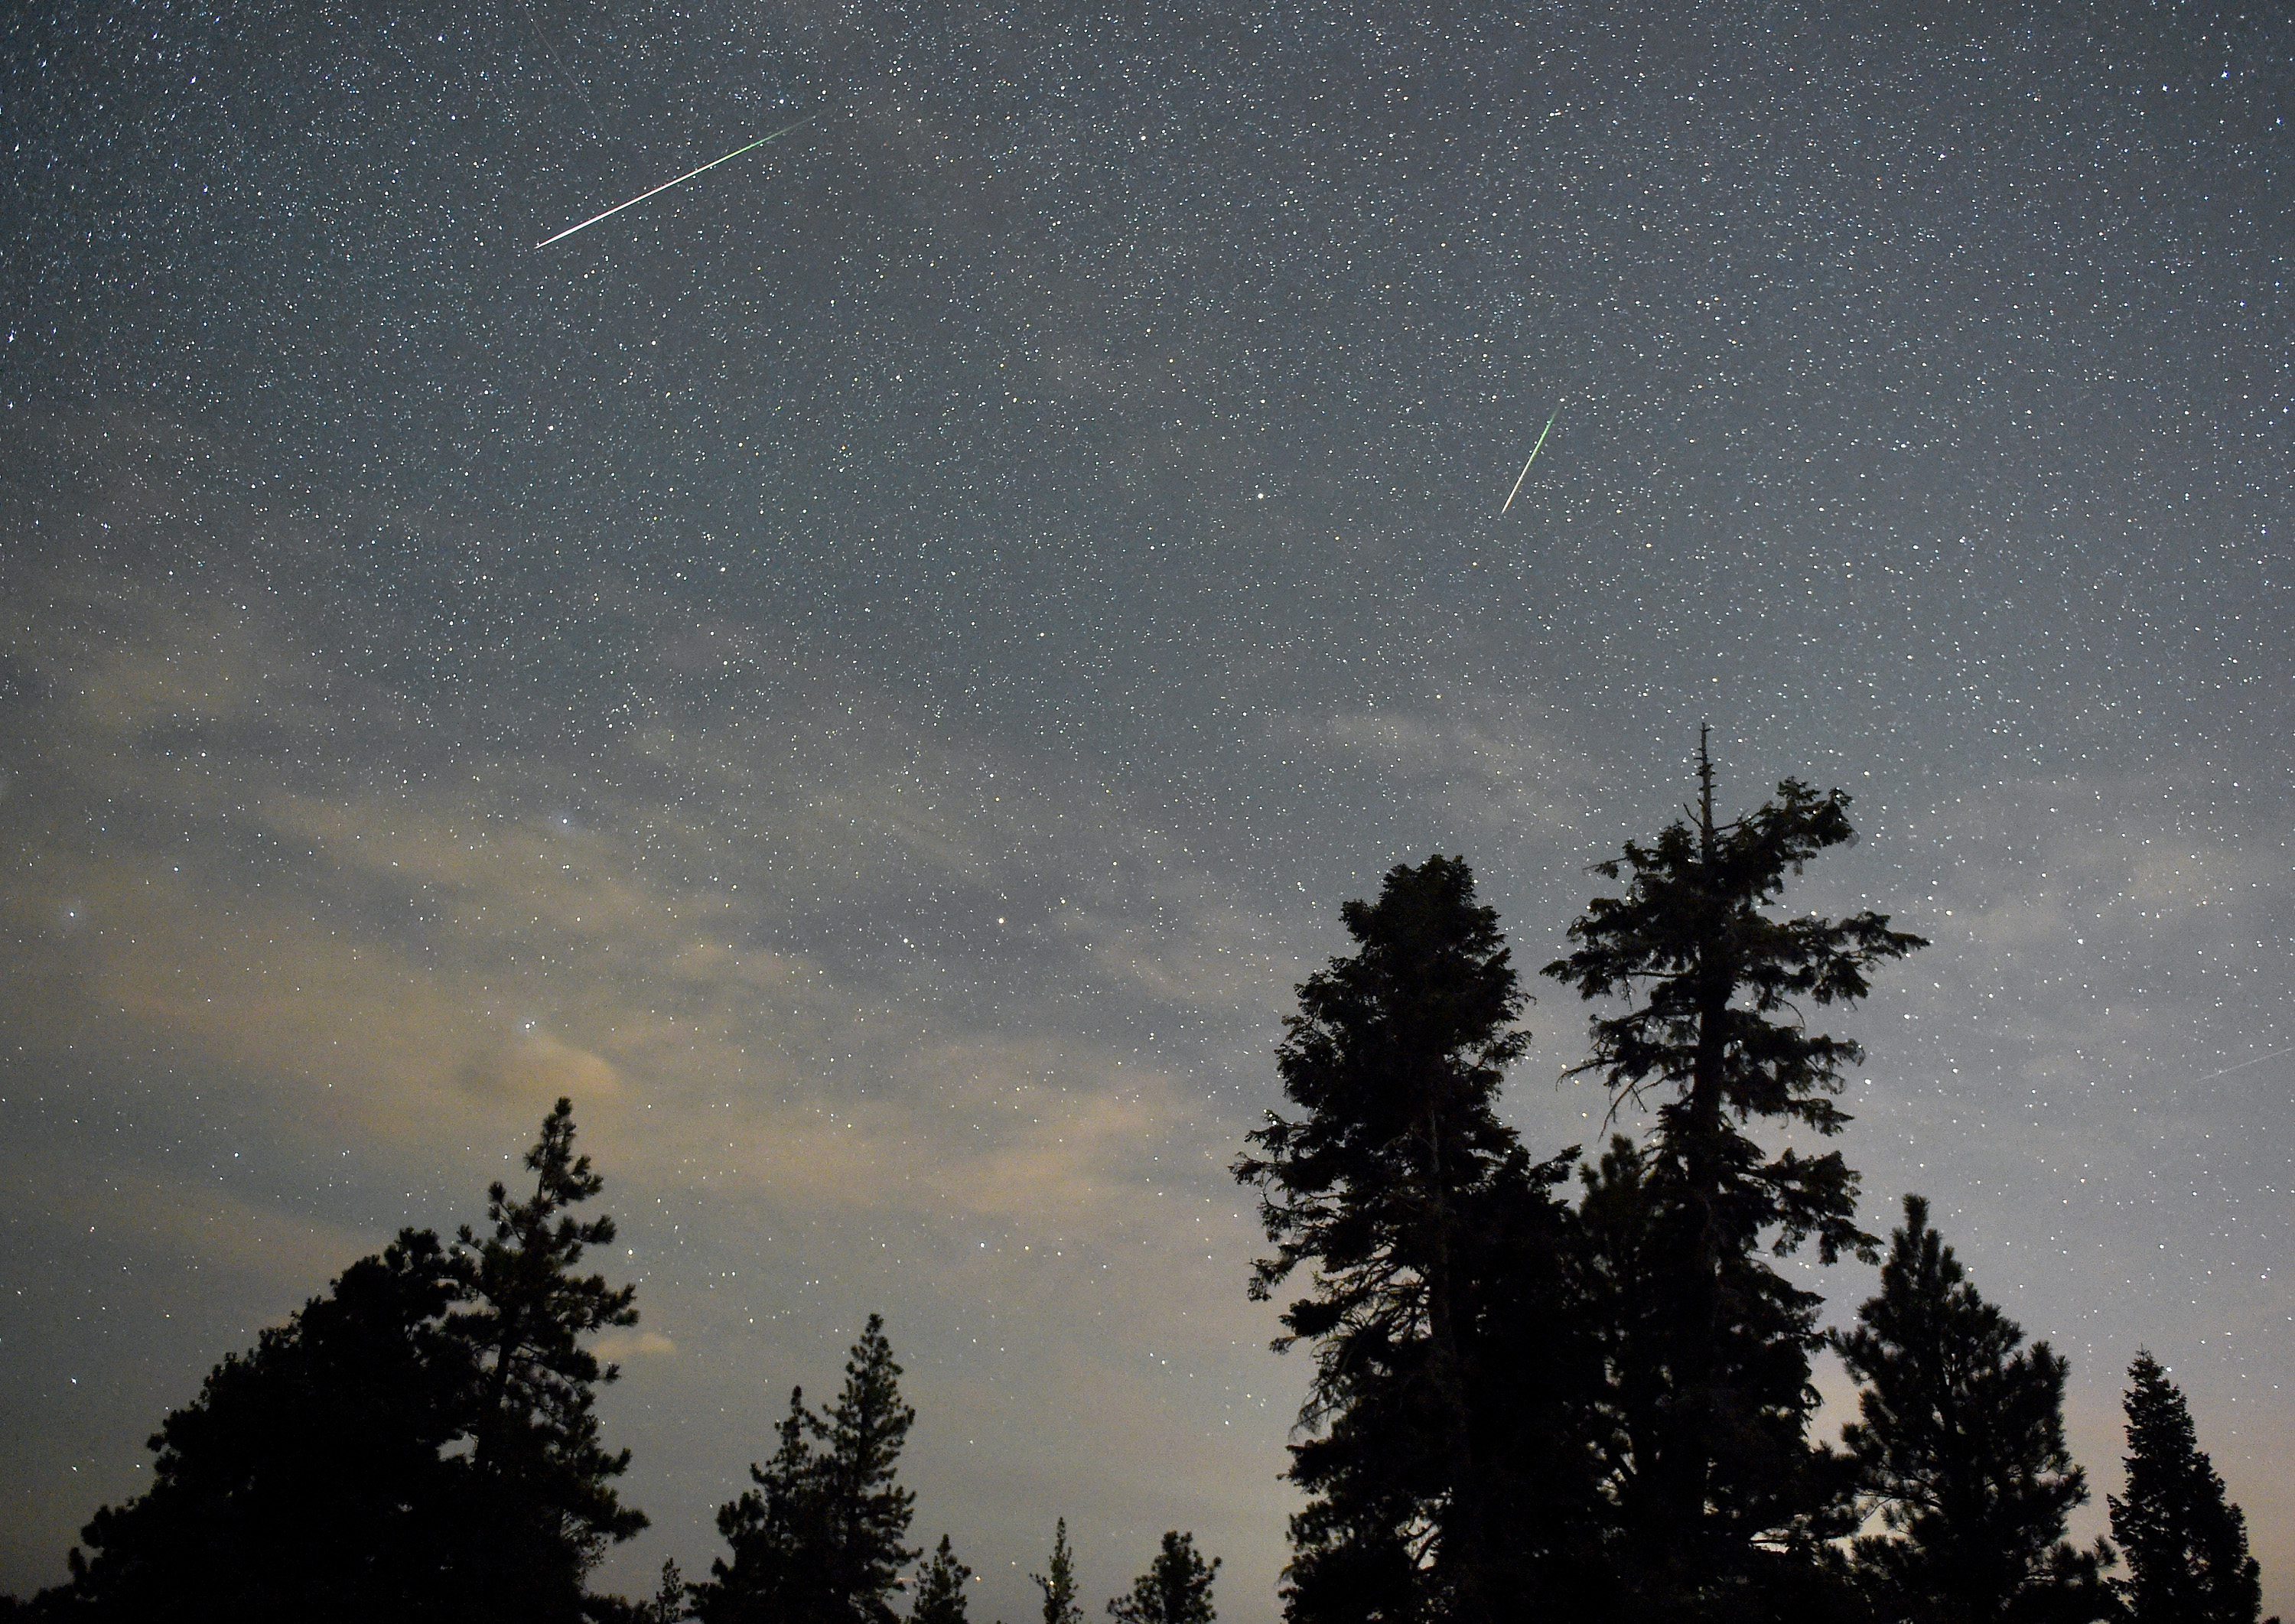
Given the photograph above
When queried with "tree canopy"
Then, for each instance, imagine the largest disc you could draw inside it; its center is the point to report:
(1721, 1497)
(2185, 1542)
(1960, 1448)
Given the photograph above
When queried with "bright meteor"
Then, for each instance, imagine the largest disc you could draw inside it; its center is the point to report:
(1532, 458)
(679, 180)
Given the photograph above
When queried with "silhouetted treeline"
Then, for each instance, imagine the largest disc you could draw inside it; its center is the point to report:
(1529, 1402)
(1530, 1407)
(420, 1444)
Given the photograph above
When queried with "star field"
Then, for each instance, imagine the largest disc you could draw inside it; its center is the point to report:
(873, 670)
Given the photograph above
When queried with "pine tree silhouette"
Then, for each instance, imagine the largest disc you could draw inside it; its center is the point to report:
(817, 1538)
(1176, 1588)
(417, 1444)
(940, 1588)
(548, 1508)
(1058, 1584)
(1961, 1449)
(1400, 1186)
(2185, 1541)
(1721, 1497)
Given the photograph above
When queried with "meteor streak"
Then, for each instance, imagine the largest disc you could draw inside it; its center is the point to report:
(679, 180)
(1532, 458)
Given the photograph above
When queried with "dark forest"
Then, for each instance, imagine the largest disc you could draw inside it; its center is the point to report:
(1548, 1382)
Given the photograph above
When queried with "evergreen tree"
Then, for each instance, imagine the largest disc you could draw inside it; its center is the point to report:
(1395, 1185)
(1176, 1588)
(548, 1502)
(817, 1539)
(777, 1531)
(671, 1602)
(869, 1513)
(2186, 1543)
(1961, 1449)
(940, 1588)
(418, 1444)
(1720, 1497)
(306, 1478)
(1060, 1584)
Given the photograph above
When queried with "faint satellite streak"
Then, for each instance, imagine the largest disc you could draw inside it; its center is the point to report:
(2242, 1065)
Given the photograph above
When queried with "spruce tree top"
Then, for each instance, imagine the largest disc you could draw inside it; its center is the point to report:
(2185, 1542)
(1397, 1055)
(1715, 984)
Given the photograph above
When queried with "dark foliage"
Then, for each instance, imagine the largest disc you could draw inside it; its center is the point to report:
(306, 1477)
(940, 1588)
(1176, 1588)
(1723, 1503)
(1961, 1449)
(817, 1539)
(774, 1529)
(1058, 1583)
(415, 1445)
(2185, 1542)
(1439, 1415)
(550, 1508)
(671, 1600)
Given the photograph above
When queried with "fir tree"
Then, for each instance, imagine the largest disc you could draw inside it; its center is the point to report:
(1711, 1467)
(671, 1602)
(306, 1478)
(550, 1506)
(1961, 1449)
(1059, 1583)
(1390, 1184)
(776, 1532)
(940, 1588)
(1176, 1588)
(868, 1511)
(817, 1538)
(2186, 1543)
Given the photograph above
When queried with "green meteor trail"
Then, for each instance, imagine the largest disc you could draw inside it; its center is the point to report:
(1532, 458)
(679, 180)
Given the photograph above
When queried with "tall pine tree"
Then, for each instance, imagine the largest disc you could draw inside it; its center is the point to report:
(2185, 1542)
(548, 1505)
(1961, 1449)
(1720, 1497)
(1058, 1582)
(869, 1512)
(817, 1539)
(1176, 1588)
(1400, 1187)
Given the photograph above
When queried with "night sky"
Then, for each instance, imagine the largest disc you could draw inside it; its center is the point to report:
(873, 670)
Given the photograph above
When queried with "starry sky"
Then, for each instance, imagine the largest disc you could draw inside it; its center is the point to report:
(873, 670)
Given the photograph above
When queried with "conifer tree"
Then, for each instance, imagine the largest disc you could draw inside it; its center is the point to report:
(1176, 1588)
(2185, 1542)
(1390, 1184)
(417, 1444)
(817, 1538)
(1058, 1584)
(776, 1532)
(306, 1478)
(549, 1506)
(1712, 1473)
(671, 1602)
(1961, 1449)
(940, 1588)
(869, 1513)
